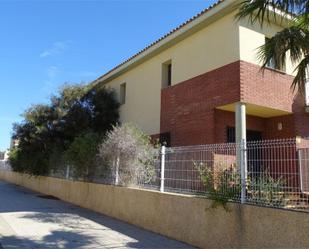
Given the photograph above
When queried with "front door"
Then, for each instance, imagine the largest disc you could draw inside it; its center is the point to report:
(254, 135)
(254, 155)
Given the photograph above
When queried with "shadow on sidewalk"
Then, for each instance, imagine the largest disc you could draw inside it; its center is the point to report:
(76, 227)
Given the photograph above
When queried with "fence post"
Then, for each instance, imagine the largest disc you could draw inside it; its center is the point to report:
(243, 170)
(163, 148)
(67, 173)
(117, 171)
(300, 170)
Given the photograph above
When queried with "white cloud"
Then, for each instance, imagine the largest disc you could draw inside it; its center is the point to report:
(50, 84)
(57, 48)
(52, 72)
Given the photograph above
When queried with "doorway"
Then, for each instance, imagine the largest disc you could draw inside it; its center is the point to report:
(254, 156)
(251, 135)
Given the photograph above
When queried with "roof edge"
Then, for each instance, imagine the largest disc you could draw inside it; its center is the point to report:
(196, 23)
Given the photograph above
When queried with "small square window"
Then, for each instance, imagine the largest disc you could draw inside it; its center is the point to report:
(167, 74)
(123, 93)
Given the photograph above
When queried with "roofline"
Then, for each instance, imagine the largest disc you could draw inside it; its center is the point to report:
(196, 23)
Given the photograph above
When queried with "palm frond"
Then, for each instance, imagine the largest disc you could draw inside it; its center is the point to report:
(302, 75)
(267, 10)
(296, 41)
(293, 39)
(302, 21)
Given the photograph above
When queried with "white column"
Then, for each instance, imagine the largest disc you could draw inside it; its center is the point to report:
(241, 146)
(240, 122)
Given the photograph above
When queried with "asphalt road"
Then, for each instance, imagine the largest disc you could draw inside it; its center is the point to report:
(31, 220)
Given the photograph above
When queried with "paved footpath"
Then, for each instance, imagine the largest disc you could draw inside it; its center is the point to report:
(30, 220)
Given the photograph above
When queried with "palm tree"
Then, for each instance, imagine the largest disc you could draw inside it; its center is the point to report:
(293, 38)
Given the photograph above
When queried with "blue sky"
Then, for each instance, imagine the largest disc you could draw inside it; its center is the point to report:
(47, 43)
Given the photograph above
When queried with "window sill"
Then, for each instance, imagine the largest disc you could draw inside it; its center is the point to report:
(166, 87)
(275, 70)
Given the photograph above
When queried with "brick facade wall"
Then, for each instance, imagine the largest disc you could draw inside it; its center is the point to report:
(273, 89)
(223, 119)
(268, 88)
(272, 131)
(301, 118)
(188, 109)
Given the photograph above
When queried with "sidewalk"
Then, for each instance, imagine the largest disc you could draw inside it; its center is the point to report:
(31, 220)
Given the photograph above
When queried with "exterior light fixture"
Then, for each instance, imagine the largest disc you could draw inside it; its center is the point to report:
(280, 126)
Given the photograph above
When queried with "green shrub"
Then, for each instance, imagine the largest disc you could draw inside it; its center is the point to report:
(267, 190)
(16, 161)
(222, 183)
(48, 130)
(33, 162)
(129, 155)
(81, 156)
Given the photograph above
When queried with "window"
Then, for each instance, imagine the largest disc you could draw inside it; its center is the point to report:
(122, 93)
(250, 134)
(167, 74)
(165, 139)
(230, 134)
(272, 64)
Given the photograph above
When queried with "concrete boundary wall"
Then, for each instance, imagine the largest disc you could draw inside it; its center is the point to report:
(179, 216)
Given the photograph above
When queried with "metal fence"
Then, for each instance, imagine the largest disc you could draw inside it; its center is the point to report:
(191, 169)
(4, 165)
(268, 172)
(271, 173)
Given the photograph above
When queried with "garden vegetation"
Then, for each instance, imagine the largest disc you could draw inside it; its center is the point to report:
(66, 130)
(77, 135)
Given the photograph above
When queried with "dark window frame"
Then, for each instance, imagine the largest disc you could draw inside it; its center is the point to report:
(123, 93)
(230, 134)
(169, 74)
(166, 74)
